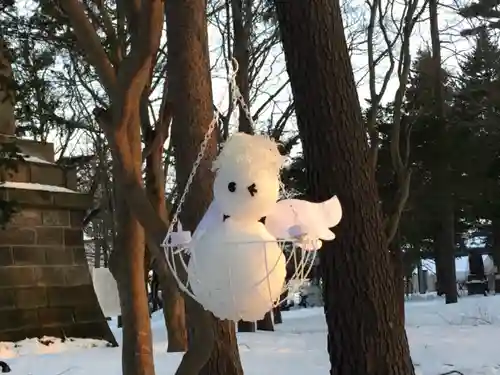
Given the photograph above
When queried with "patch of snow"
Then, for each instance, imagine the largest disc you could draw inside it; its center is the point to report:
(461, 337)
(33, 186)
(36, 159)
(46, 345)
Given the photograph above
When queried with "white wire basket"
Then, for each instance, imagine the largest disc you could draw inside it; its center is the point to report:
(249, 290)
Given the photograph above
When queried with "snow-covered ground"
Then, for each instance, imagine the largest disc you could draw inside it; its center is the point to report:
(442, 337)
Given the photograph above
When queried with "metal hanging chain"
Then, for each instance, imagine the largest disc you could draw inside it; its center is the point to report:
(201, 153)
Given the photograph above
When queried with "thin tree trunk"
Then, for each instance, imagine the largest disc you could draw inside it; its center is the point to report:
(365, 331)
(278, 318)
(241, 9)
(173, 302)
(445, 226)
(244, 326)
(242, 16)
(127, 265)
(188, 68)
(266, 324)
(398, 269)
(495, 229)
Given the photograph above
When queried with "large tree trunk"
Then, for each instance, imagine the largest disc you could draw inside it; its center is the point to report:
(173, 303)
(441, 178)
(127, 265)
(188, 69)
(365, 331)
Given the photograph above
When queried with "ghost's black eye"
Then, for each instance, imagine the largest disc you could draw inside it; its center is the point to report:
(252, 189)
(231, 187)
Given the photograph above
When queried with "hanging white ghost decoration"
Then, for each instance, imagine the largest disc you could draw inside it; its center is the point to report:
(237, 268)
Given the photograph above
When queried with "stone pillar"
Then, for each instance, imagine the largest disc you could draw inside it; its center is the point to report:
(45, 283)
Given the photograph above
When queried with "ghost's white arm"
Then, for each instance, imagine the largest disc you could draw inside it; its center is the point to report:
(331, 211)
(304, 218)
(212, 216)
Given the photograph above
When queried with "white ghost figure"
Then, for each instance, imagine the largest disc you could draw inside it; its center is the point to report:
(237, 269)
(296, 218)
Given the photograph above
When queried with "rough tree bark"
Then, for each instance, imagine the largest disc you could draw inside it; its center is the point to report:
(188, 68)
(365, 331)
(445, 217)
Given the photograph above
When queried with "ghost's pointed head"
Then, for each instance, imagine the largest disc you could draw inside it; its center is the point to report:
(247, 170)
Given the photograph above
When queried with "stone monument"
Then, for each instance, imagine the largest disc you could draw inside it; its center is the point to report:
(45, 283)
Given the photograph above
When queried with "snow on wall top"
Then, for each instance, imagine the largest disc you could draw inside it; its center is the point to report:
(33, 186)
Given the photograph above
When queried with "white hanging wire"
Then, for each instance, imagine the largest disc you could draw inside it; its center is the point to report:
(302, 264)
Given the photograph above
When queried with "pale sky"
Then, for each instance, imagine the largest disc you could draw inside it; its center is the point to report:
(453, 47)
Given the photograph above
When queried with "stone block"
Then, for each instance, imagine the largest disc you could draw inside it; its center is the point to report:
(43, 150)
(48, 316)
(73, 237)
(7, 298)
(47, 174)
(26, 218)
(87, 329)
(18, 318)
(30, 298)
(49, 236)
(79, 255)
(82, 295)
(28, 255)
(50, 276)
(17, 276)
(71, 179)
(31, 197)
(88, 314)
(76, 218)
(73, 200)
(59, 256)
(6, 256)
(77, 275)
(14, 335)
(56, 218)
(17, 236)
(17, 172)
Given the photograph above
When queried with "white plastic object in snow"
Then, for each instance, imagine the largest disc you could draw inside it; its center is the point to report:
(106, 290)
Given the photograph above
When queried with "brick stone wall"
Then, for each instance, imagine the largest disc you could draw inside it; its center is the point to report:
(45, 283)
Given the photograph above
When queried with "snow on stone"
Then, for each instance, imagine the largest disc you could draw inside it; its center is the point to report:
(442, 338)
(33, 186)
(35, 159)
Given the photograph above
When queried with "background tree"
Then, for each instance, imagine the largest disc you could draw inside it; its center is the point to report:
(331, 129)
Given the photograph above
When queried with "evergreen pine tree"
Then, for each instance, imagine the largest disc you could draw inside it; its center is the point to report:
(477, 111)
